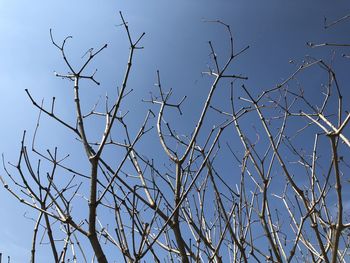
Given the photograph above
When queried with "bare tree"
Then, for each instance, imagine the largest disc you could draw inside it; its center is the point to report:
(282, 200)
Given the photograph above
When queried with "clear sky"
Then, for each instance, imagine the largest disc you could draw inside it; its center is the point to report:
(175, 43)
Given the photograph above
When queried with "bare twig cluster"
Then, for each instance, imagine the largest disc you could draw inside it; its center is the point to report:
(282, 201)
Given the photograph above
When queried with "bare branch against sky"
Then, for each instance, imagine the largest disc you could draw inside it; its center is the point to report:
(195, 141)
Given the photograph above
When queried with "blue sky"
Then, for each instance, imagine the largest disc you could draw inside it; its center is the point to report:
(175, 43)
